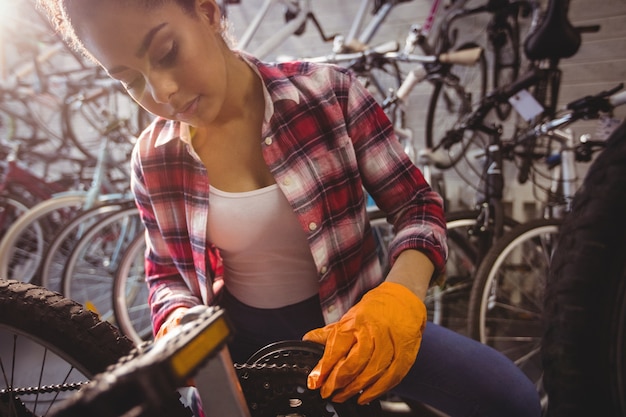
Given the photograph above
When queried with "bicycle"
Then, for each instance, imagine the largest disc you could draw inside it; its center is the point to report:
(484, 157)
(23, 245)
(271, 382)
(584, 311)
(503, 38)
(505, 305)
(75, 346)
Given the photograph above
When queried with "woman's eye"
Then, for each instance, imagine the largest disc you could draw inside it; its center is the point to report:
(170, 57)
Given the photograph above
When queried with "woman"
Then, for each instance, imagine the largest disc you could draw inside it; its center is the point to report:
(252, 175)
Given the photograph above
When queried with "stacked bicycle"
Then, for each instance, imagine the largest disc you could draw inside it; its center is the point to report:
(505, 290)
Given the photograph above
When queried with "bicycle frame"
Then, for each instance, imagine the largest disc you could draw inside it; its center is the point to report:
(15, 175)
(298, 12)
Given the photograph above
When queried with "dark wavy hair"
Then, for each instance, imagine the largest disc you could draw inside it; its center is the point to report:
(56, 11)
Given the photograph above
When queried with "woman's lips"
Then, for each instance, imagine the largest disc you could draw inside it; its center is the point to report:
(188, 111)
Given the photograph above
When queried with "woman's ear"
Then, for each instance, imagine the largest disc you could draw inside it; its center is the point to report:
(210, 10)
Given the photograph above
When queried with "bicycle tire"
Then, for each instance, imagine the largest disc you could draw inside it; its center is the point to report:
(36, 320)
(130, 293)
(585, 305)
(11, 208)
(60, 247)
(87, 117)
(506, 300)
(453, 96)
(90, 269)
(22, 246)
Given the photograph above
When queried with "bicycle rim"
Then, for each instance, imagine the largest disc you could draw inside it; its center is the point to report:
(506, 303)
(130, 293)
(61, 246)
(90, 270)
(449, 300)
(23, 245)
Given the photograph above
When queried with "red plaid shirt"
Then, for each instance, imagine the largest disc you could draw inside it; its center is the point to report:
(325, 140)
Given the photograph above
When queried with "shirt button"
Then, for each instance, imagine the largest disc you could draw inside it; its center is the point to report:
(323, 270)
(287, 181)
(312, 226)
(268, 141)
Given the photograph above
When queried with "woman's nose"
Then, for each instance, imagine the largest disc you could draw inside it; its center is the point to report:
(162, 87)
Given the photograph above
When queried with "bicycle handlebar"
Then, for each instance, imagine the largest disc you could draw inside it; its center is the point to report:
(588, 107)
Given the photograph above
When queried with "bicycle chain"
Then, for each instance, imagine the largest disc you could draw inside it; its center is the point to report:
(44, 389)
(274, 383)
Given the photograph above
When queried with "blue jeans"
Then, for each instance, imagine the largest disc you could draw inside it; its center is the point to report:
(452, 373)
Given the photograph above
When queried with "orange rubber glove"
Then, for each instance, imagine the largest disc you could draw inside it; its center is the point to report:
(372, 347)
(172, 321)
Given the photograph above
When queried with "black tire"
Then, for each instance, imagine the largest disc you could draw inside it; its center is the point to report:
(35, 322)
(456, 89)
(585, 305)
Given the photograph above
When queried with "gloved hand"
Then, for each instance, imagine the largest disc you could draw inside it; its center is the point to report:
(372, 347)
(172, 321)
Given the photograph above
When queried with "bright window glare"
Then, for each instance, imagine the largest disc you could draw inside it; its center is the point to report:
(9, 9)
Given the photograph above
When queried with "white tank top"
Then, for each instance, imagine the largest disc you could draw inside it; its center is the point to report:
(267, 260)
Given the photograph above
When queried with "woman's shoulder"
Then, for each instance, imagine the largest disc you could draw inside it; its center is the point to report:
(300, 72)
(160, 137)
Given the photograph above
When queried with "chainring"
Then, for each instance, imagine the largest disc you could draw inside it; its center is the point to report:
(274, 382)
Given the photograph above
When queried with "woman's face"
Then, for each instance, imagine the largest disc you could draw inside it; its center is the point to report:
(172, 63)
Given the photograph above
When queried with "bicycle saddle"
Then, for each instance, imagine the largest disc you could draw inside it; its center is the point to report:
(555, 37)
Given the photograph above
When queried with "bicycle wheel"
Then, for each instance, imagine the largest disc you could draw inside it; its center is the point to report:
(130, 293)
(506, 300)
(380, 77)
(60, 247)
(456, 88)
(585, 305)
(447, 302)
(11, 208)
(91, 267)
(49, 346)
(98, 111)
(23, 245)
(504, 39)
